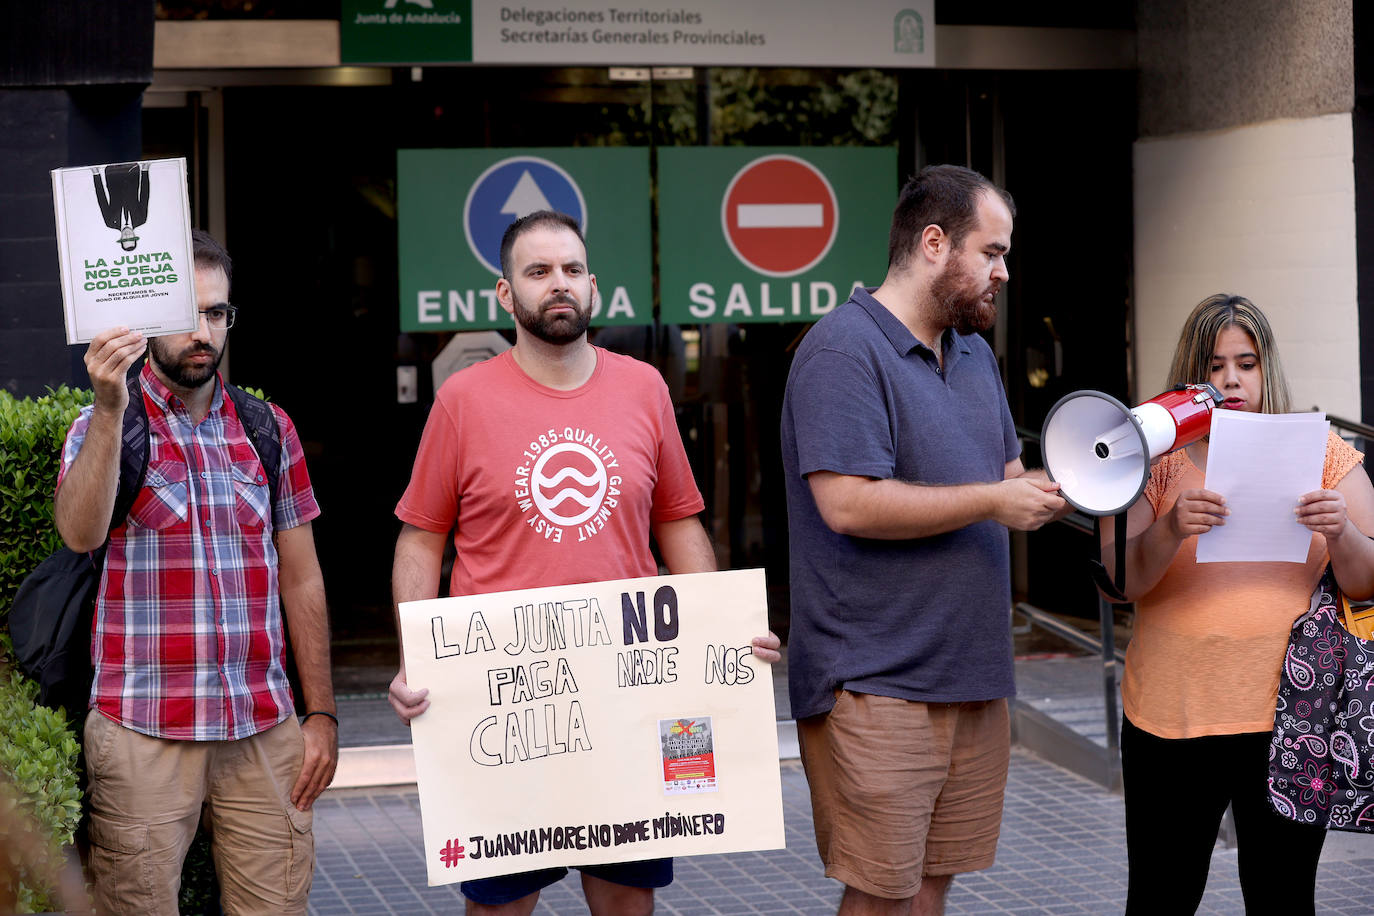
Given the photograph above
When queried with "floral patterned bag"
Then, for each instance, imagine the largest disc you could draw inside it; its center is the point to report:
(1321, 759)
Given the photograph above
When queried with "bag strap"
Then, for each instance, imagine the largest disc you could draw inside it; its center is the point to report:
(260, 423)
(258, 419)
(1347, 613)
(1114, 587)
(133, 454)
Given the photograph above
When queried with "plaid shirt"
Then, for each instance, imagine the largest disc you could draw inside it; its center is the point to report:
(188, 640)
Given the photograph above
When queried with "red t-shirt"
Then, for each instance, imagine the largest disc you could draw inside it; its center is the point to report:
(549, 487)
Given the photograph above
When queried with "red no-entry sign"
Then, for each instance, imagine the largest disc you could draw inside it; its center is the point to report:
(779, 215)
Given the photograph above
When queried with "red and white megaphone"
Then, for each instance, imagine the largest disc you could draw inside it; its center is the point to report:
(1099, 450)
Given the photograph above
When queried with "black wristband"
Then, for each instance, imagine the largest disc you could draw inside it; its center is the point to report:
(321, 712)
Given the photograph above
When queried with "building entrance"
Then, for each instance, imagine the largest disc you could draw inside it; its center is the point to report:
(300, 180)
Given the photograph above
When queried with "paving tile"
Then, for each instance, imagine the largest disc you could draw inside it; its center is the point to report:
(1061, 851)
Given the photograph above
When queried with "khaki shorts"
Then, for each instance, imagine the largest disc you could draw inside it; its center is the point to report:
(903, 789)
(146, 798)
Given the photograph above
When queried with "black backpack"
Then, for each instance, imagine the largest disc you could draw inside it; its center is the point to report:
(50, 622)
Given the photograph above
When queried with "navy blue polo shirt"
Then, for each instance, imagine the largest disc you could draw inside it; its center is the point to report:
(925, 619)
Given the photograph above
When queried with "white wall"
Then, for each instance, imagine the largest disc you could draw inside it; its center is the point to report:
(1265, 211)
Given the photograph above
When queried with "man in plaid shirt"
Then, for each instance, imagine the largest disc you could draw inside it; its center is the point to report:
(192, 709)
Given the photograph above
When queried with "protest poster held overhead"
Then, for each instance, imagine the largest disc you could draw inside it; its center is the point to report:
(124, 248)
(594, 723)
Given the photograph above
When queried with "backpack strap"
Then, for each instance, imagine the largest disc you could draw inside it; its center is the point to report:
(260, 423)
(133, 453)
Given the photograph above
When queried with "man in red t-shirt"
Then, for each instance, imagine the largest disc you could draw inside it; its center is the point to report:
(553, 464)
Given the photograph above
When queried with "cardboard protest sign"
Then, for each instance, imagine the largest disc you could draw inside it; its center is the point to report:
(594, 723)
(124, 248)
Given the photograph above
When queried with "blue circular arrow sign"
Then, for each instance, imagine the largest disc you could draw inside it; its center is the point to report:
(510, 189)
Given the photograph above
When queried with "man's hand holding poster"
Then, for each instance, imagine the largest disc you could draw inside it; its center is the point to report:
(124, 247)
(594, 723)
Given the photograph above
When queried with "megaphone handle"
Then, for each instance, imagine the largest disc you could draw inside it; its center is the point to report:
(1113, 587)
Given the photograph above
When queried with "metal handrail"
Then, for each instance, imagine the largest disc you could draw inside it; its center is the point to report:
(1105, 646)
(1354, 426)
(1065, 631)
(1080, 522)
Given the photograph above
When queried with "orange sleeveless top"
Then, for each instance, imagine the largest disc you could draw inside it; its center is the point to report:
(1209, 638)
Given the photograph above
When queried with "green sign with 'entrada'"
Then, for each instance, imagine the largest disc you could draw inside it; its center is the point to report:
(405, 31)
(453, 206)
(751, 234)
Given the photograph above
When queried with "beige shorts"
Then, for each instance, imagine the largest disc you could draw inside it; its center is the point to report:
(902, 789)
(146, 798)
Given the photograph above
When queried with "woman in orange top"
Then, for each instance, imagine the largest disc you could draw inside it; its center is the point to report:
(1202, 669)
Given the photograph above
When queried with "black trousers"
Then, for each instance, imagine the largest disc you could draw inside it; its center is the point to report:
(1176, 793)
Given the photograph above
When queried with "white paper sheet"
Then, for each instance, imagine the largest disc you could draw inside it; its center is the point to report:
(1262, 463)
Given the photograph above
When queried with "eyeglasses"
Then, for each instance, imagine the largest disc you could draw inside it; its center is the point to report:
(221, 317)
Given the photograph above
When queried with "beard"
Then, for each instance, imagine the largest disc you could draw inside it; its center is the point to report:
(554, 329)
(177, 367)
(959, 300)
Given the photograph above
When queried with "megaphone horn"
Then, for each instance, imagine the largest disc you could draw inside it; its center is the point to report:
(1099, 450)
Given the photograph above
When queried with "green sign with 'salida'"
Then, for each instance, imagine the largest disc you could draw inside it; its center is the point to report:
(453, 205)
(750, 234)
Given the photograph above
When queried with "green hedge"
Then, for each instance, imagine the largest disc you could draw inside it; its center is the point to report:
(38, 746)
(31, 435)
(38, 753)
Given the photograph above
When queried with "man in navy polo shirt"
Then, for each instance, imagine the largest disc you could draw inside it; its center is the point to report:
(903, 476)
